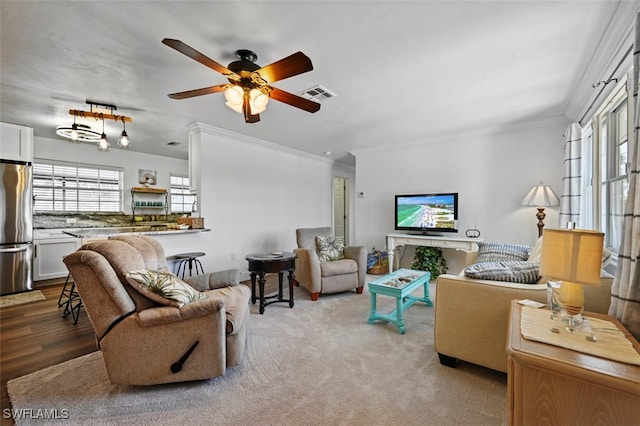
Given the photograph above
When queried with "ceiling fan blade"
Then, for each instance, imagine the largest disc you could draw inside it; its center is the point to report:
(295, 64)
(248, 117)
(194, 54)
(198, 92)
(293, 100)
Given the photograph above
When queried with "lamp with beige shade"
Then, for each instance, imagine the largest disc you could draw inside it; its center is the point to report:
(573, 256)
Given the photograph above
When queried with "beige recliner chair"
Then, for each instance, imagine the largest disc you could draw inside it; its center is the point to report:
(144, 342)
(328, 277)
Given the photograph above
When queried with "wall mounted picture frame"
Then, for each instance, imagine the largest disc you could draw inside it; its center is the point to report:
(147, 177)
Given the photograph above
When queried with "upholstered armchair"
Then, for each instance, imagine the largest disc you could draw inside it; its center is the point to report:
(329, 276)
(145, 342)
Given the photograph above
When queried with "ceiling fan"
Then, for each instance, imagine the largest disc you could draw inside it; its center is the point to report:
(249, 90)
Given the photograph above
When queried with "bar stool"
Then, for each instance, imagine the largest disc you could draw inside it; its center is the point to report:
(66, 291)
(189, 259)
(70, 298)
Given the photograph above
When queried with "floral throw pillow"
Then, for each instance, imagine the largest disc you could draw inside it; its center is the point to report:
(330, 248)
(163, 287)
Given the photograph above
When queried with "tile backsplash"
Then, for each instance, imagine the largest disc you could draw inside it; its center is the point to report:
(92, 220)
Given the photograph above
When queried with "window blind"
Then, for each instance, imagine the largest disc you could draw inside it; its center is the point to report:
(68, 187)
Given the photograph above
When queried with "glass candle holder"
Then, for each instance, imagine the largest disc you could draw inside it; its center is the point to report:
(572, 300)
(553, 298)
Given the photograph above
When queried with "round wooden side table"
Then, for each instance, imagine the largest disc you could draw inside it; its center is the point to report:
(263, 263)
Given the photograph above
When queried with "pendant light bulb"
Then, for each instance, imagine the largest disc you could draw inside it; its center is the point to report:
(103, 143)
(124, 141)
(74, 133)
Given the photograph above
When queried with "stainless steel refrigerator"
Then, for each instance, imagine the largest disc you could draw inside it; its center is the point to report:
(16, 227)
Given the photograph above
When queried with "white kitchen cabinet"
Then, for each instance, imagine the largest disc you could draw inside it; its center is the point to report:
(48, 252)
(16, 142)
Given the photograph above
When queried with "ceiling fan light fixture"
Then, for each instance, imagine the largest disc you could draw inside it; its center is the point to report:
(249, 90)
(258, 101)
(234, 95)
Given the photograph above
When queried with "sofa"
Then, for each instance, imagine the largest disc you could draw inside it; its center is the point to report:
(471, 315)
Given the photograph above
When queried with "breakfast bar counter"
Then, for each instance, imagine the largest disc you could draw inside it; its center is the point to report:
(101, 233)
(174, 241)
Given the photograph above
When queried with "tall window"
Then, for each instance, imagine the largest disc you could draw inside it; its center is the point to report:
(182, 200)
(606, 180)
(69, 187)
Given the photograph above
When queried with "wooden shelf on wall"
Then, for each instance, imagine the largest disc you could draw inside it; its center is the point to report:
(148, 190)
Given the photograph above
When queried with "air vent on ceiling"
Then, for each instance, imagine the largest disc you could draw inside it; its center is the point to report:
(317, 93)
(173, 143)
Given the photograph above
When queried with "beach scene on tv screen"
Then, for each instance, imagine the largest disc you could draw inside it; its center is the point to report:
(426, 212)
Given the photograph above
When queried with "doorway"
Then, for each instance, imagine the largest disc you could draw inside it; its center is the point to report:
(341, 208)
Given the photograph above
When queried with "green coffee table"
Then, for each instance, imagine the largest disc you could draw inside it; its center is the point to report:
(399, 284)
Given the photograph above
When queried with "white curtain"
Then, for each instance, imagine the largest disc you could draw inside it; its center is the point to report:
(625, 293)
(570, 198)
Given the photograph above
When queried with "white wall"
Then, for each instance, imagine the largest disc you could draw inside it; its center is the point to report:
(492, 172)
(130, 161)
(255, 194)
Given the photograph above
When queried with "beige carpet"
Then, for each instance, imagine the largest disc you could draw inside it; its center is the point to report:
(21, 298)
(319, 363)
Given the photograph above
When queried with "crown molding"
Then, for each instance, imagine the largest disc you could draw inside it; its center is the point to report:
(198, 127)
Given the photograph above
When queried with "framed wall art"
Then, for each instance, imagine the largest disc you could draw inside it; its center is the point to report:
(147, 177)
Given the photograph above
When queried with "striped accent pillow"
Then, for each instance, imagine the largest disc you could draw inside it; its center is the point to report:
(513, 271)
(496, 252)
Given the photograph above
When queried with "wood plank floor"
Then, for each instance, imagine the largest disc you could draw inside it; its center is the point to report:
(35, 335)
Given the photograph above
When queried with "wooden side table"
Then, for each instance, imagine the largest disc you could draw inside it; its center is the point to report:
(263, 263)
(548, 384)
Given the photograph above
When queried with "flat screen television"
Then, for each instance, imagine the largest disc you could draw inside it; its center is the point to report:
(428, 214)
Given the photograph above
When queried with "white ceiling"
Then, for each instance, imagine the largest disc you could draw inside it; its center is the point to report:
(403, 72)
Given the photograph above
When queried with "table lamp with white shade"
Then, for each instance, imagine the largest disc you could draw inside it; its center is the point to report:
(541, 196)
(573, 256)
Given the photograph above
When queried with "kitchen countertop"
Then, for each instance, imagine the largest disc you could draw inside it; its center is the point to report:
(129, 230)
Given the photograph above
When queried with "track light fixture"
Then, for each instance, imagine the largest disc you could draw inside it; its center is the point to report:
(83, 133)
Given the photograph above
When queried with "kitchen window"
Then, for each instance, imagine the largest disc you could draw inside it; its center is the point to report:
(182, 200)
(605, 167)
(71, 187)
